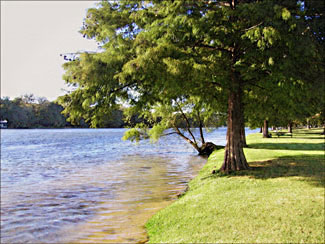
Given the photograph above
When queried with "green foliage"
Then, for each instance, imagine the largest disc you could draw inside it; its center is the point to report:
(133, 134)
(157, 131)
(177, 116)
(154, 53)
(31, 112)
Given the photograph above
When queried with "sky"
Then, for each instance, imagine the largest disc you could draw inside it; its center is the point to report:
(33, 35)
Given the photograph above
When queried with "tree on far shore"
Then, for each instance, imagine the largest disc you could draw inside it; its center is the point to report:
(29, 111)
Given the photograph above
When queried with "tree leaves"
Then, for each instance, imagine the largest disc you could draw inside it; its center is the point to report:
(159, 52)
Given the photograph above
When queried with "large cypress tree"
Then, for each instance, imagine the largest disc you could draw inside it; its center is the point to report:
(162, 50)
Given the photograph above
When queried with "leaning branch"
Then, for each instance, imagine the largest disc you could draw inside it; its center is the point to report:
(187, 122)
(186, 138)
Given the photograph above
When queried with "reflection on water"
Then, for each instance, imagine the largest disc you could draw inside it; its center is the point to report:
(86, 185)
(148, 184)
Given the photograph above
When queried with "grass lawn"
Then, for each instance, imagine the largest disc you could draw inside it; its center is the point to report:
(280, 200)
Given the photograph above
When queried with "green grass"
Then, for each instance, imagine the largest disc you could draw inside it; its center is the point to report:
(280, 200)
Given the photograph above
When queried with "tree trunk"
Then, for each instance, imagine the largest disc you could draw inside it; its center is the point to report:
(266, 129)
(242, 135)
(234, 154)
(242, 122)
(308, 124)
(290, 127)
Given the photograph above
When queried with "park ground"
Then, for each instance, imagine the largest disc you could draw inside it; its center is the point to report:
(279, 200)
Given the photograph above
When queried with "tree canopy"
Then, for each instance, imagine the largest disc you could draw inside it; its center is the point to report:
(222, 52)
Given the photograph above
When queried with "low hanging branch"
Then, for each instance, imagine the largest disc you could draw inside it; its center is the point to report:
(171, 133)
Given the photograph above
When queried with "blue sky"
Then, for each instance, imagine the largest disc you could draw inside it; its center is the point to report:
(33, 35)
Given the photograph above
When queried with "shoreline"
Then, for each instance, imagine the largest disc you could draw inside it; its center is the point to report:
(279, 200)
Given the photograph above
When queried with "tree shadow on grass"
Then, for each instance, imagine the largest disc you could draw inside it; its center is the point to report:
(310, 168)
(289, 146)
(306, 132)
(305, 137)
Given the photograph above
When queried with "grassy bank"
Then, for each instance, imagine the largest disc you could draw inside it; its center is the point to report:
(280, 200)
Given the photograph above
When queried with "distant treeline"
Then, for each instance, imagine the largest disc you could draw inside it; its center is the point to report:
(29, 111)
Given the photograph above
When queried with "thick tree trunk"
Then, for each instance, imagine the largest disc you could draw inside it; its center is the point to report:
(290, 127)
(234, 159)
(234, 154)
(266, 129)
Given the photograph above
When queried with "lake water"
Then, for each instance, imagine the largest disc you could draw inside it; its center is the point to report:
(87, 185)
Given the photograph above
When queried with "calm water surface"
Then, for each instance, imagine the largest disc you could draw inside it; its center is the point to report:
(87, 185)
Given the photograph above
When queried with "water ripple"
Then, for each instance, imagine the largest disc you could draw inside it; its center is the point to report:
(86, 185)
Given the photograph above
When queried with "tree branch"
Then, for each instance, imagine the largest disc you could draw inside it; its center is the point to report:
(200, 125)
(216, 83)
(187, 122)
(171, 133)
(120, 88)
(200, 44)
(254, 26)
(253, 84)
(186, 138)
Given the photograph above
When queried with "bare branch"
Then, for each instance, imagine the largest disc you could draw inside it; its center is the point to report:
(200, 126)
(254, 26)
(187, 122)
(186, 138)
